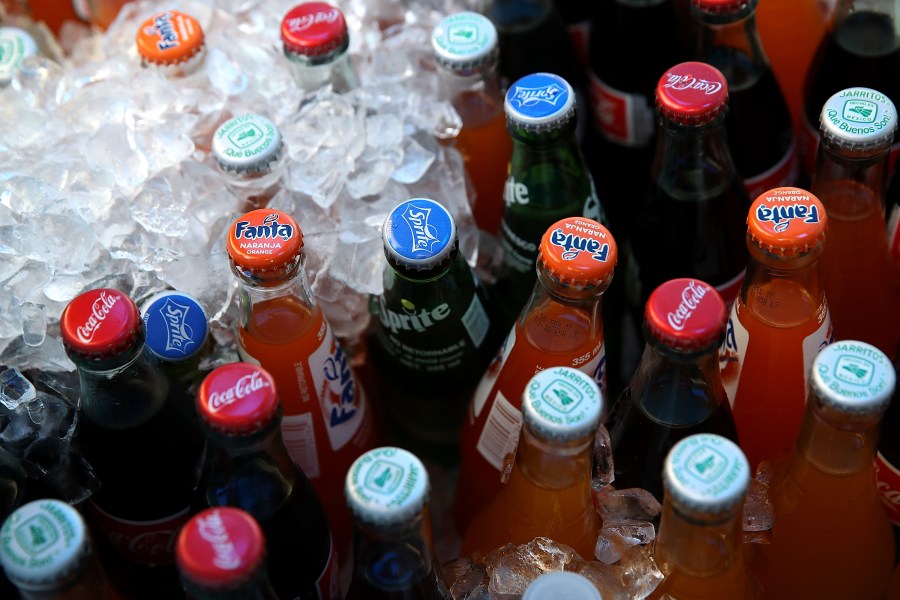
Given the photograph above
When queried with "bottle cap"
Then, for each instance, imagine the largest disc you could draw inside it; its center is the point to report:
(724, 7)
(706, 473)
(169, 38)
(853, 377)
(43, 544)
(562, 403)
(15, 45)
(691, 93)
(561, 584)
(176, 325)
(420, 235)
(464, 42)
(787, 221)
(686, 314)
(314, 30)
(264, 240)
(220, 547)
(237, 398)
(247, 144)
(539, 102)
(578, 252)
(100, 323)
(858, 118)
(386, 486)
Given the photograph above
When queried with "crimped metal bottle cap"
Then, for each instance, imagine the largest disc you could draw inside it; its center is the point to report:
(707, 474)
(858, 118)
(853, 377)
(465, 42)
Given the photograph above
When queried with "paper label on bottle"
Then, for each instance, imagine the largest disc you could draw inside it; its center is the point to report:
(888, 484)
(816, 341)
(299, 436)
(146, 542)
(328, 584)
(486, 384)
(476, 321)
(580, 32)
(594, 364)
(500, 435)
(732, 353)
(894, 233)
(783, 173)
(626, 119)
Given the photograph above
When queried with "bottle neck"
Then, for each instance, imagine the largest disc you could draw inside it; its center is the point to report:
(731, 43)
(862, 174)
(453, 86)
(336, 70)
(585, 303)
(693, 372)
(844, 10)
(555, 464)
(560, 138)
(693, 162)
(699, 545)
(256, 587)
(290, 282)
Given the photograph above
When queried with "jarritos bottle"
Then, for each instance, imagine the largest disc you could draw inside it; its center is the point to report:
(560, 325)
(327, 422)
(778, 324)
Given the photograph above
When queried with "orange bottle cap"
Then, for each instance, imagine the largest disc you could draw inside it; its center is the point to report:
(578, 252)
(263, 240)
(169, 37)
(787, 221)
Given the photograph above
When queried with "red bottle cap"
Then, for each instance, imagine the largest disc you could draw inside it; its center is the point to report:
(100, 323)
(314, 29)
(169, 37)
(686, 314)
(787, 221)
(237, 398)
(220, 547)
(691, 93)
(264, 240)
(578, 252)
(724, 7)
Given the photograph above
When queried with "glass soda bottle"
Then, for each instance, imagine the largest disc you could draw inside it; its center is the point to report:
(760, 132)
(677, 390)
(435, 332)
(172, 42)
(887, 464)
(548, 180)
(549, 489)
(327, 422)
(861, 282)
(832, 537)
(778, 324)
(698, 547)
(315, 41)
(46, 551)
(387, 490)
(221, 555)
(560, 325)
(247, 466)
(561, 584)
(464, 47)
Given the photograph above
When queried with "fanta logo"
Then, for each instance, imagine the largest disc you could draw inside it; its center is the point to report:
(689, 82)
(573, 244)
(424, 235)
(243, 387)
(99, 312)
(179, 335)
(212, 529)
(165, 30)
(782, 216)
(548, 94)
(409, 319)
(690, 299)
(340, 380)
(304, 22)
(270, 229)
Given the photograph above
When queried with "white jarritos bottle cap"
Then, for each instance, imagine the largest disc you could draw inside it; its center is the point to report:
(858, 118)
(561, 585)
(247, 145)
(386, 486)
(465, 43)
(562, 403)
(15, 45)
(706, 474)
(853, 378)
(43, 545)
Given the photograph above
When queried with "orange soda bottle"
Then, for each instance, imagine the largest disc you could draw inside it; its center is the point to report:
(560, 325)
(778, 324)
(327, 422)
(861, 282)
(698, 548)
(549, 488)
(832, 537)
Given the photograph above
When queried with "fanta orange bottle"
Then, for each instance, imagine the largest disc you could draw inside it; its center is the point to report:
(327, 422)
(778, 324)
(559, 326)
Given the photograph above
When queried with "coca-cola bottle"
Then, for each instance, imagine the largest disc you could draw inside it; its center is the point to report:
(316, 44)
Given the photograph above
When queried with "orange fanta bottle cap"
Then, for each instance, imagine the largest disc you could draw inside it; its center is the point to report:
(578, 252)
(169, 37)
(263, 240)
(787, 221)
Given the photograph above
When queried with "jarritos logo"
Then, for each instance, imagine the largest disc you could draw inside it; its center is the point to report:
(99, 311)
(146, 542)
(573, 243)
(783, 207)
(424, 235)
(211, 529)
(303, 22)
(164, 29)
(243, 387)
(526, 97)
(179, 335)
(691, 296)
(677, 81)
(266, 238)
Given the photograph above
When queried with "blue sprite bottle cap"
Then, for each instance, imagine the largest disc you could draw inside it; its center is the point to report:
(707, 474)
(858, 118)
(42, 544)
(15, 45)
(561, 584)
(562, 403)
(464, 42)
(853, 378)
(386, 486)
(419, 234)
(247, 144)
(539, 102)
(176, 324)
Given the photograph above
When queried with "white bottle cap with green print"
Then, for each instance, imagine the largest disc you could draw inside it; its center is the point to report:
(465, 41)
(386, 486)
(15, 45)
(858, 118)
(42, 544)
(853, 378)
(706, 473)
(559, 585)
(562, 403)
(247, 144)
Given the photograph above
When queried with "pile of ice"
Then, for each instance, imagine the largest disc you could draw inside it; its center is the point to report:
(107, 179)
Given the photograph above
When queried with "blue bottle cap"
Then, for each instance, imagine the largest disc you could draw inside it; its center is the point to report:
(176, 325)
(539, 102)
(419, 234)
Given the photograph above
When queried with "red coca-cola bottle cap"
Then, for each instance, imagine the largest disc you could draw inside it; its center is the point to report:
(691, 93)
(237, 398)
(686, 314)
(264, 240)
(220, 547)
(100, 323)
(314, 29)
(725, 7)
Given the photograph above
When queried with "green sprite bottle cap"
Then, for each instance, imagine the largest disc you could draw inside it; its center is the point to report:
(561, 584)
(562, 403)
(247, 144)
(386, 486)
(858, 118)
(464, 42)
(706, 473)
(853, 378)
(15, 45)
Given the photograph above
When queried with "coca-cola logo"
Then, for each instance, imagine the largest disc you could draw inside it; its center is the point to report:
(99, 311)
(243, 387)
(211, 529)
(689, 82)
(304, 22)
(690, 300)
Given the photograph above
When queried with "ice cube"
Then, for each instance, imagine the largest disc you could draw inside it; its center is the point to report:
(629, 503)
(463, 577)
(604, 467)
(759, 514)
(640, 574)
(15, 389)
(616, 537)
(34, 323)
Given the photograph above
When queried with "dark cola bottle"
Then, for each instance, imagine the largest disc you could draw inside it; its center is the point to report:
(143, 450)
(887, 462)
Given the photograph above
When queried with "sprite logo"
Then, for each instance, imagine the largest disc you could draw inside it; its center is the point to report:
(179, 335)
(424, 235)
(706, 464)
(860, 111)
(854, 370)
(36, 534)
(562, 396)
(384, 477)
(550, 94)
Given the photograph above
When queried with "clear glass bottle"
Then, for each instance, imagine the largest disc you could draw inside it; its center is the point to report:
(172, 42)
(316, 42)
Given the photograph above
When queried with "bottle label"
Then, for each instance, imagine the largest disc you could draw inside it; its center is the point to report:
(518, 254)
(783, 173)
(501, 432)
(894, 233)
(626, 119)
(486, 384)
(888, 485)
(328, 584)
(732, 353)
(816, 341)
(476, 321)
(146, 542)
(299, 436)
